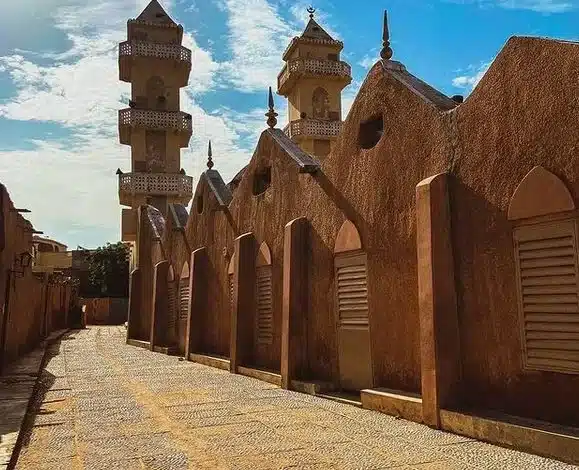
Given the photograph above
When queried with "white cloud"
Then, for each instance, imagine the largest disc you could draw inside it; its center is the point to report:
(540, 6)
(470, 80)
(258, 35)
(70, 185)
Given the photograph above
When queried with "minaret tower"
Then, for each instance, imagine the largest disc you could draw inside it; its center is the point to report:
(157, 66)
(312, 80)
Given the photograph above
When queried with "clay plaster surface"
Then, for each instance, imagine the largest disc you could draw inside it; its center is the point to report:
(128, 408)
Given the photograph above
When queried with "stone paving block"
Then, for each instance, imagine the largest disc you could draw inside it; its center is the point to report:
(497, 458)
(129, 408)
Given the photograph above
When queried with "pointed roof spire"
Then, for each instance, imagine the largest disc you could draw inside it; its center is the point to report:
(386, 52)
(313, 29)
(209, 156)
(154, 13)
(271, 114)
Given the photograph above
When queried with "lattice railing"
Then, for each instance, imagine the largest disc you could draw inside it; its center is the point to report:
(156, 119)
(313, 127)
(314, 67)
(156, 183)
(152, 49)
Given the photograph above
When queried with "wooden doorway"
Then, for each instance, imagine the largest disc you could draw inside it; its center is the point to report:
(184, 296)
(171, 307)
(352, 315)
(263, 331)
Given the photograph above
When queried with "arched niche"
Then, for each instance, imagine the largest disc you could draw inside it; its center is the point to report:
(231, 267)
(320, 104)
(171, 274)
(264, 326)
(348, 238)
(185, 271)
(539, 193)
(263, 256)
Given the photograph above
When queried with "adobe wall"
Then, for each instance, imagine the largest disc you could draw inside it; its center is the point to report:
(375, 189)
(36, 306)
(520, 115)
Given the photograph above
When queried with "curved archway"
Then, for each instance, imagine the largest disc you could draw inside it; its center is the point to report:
(231, 267)
(320, 104)
(540, 192)
(348, 238)
(263, 256)
(185, 270)
(264, 296)
(351, 308)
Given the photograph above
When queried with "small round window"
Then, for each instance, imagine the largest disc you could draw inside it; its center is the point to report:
(371, 132)
(261, 180)
(199, 203)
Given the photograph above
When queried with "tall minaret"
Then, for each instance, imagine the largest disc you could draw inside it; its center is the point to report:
(312, 80)
(157, 66)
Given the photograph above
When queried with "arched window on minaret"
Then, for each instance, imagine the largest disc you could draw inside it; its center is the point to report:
(321, 104)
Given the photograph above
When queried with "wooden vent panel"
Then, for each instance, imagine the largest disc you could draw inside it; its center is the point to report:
(548, 295)
(171, 306)
(184, 299)
(264, 305)
(231, 293)
(352, 289)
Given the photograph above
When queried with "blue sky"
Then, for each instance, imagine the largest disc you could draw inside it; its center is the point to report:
(59, 87)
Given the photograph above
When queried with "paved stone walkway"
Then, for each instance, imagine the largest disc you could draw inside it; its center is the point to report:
(106, 405)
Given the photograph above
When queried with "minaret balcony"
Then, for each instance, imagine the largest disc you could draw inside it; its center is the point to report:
(131, 51)
(176, 121)
(312, 128)
(176, 186)
(298, 68)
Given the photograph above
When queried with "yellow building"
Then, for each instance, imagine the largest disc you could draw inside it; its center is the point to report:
(312, 80)
(49, 255)
(157, 66)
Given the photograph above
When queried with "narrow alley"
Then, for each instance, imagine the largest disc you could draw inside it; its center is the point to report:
(105, 405)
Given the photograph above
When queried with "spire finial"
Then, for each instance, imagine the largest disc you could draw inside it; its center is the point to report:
(271, 114)
(311, 10)
(209, 155)
(386, 52)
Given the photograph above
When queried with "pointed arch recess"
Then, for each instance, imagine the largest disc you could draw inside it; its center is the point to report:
(171, 274)
(264, 255)
(231, 268)
(540, 192)
(348, 238)
(185, 271)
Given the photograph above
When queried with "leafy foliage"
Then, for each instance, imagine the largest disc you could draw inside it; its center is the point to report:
(108, 271)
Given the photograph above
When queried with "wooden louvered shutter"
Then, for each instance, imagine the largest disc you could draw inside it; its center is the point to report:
(352, 290)
(264, 305)
(547, 276)
(231, 292)
(184, 299)
(171, 306)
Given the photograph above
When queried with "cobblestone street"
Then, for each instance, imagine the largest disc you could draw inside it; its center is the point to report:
(105, 405)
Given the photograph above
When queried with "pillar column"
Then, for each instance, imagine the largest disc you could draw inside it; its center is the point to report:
(134, 303)
(241, 339)
(439, 334)
(160, 308)
(197, 299)
(294, 307)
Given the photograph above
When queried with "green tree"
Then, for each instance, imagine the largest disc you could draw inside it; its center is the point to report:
(108, 271)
